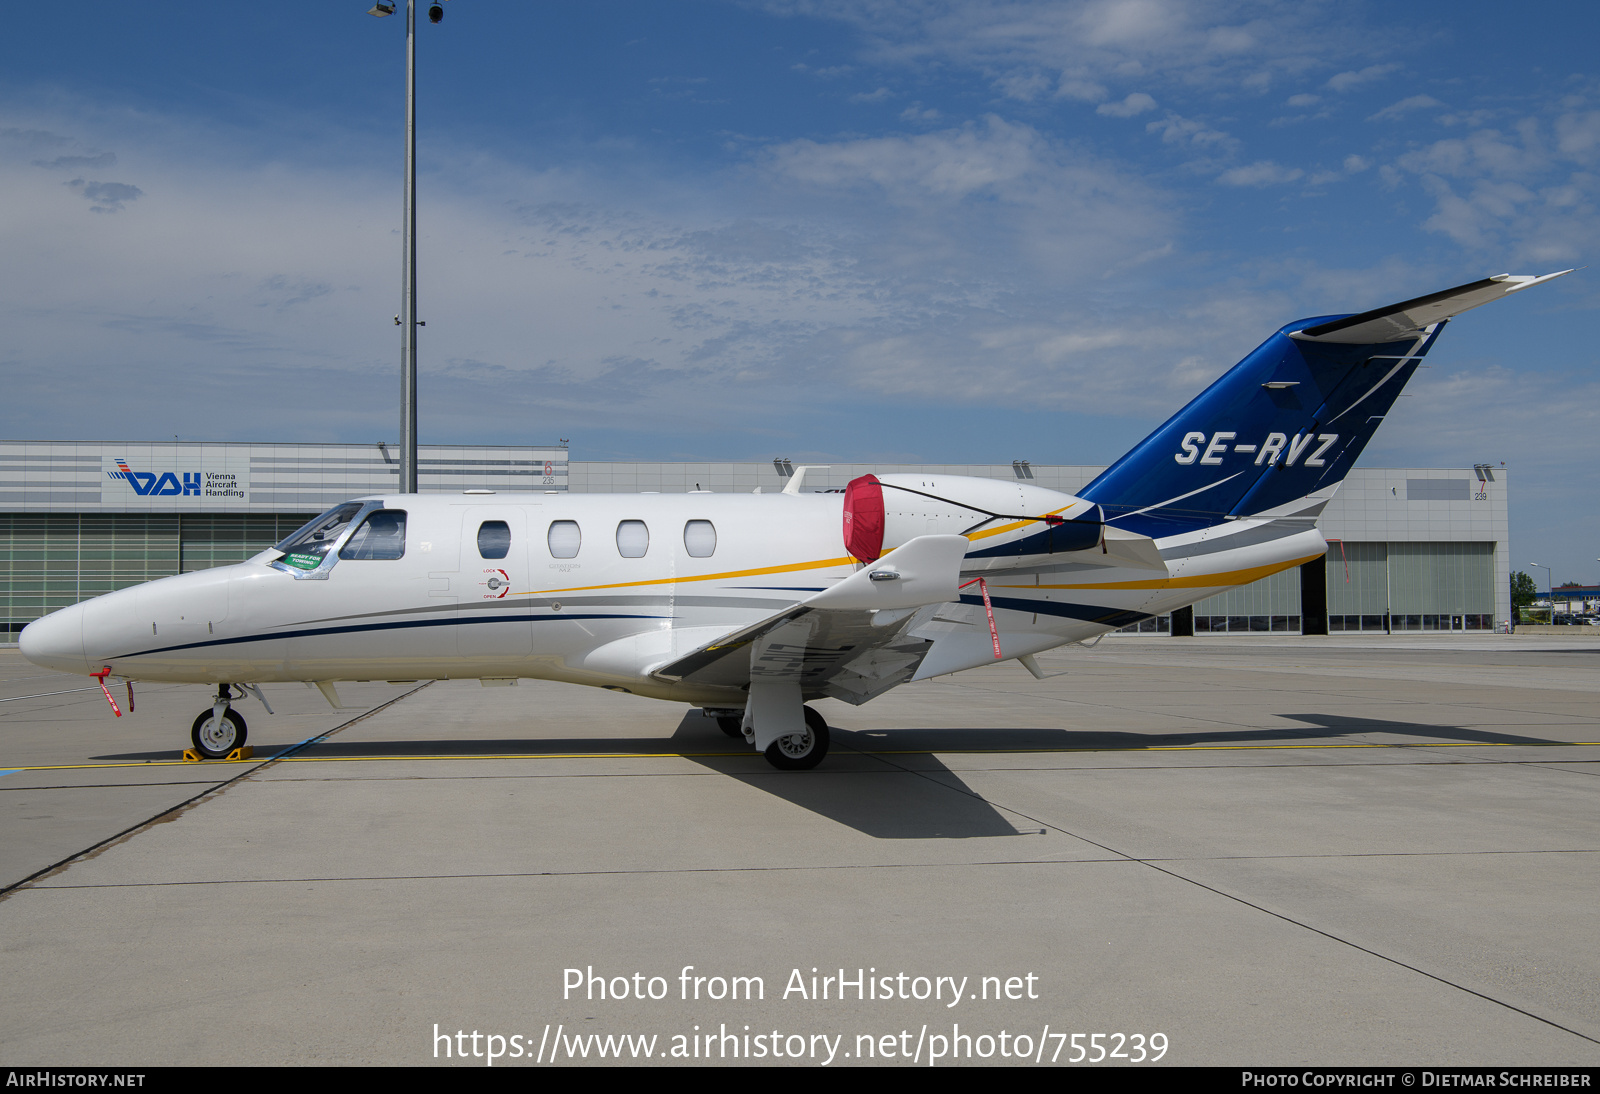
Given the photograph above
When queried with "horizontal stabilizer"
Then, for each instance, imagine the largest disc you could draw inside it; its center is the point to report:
(1124, 548)
(1410, 317)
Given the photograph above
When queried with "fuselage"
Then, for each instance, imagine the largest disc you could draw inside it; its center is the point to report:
(600, 589)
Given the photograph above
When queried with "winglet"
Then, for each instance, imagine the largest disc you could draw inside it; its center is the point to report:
(793, 485)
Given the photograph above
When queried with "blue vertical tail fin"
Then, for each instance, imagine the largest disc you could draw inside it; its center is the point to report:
(1285, 422)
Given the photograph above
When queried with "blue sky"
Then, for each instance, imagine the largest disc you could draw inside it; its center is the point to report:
(904, 231)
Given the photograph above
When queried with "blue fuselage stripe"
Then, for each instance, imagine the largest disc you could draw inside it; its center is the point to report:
(409, 624)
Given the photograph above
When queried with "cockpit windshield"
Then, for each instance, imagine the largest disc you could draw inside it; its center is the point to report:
(305, 549)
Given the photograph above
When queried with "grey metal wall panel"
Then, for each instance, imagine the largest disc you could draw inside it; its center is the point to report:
(1438, 489)
(1358, 578)
(1276, 594)
(1435, 578)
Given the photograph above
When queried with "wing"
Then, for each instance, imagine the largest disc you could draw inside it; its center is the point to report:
(852, 641)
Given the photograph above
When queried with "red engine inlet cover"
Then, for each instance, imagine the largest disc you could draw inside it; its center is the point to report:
(863, 518)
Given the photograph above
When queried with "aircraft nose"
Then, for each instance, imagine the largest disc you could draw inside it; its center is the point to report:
(56, 641)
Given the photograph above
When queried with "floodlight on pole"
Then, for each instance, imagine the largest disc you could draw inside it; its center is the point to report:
(408, 276)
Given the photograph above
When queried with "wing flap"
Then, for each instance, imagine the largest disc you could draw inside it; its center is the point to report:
(839, 632)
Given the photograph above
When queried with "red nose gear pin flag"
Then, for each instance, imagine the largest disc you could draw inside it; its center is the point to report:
(100, 678)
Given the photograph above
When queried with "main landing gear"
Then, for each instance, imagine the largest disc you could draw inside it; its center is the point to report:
(801, 751)
(794, 752)
(220, 729)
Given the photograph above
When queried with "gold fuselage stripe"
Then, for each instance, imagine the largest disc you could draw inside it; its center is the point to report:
(791, 568)
(1198, 581)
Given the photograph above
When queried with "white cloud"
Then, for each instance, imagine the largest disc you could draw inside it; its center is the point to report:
(1344, 81)
(1396, 111)
(952, 163)
(1578, 135)
(1095, 43)
(1028, 86)
(1176, 129)
(1511, 190)
(1304, 100)
(877, 96)
(1081, 90)
(1260, 173)
(566, 296)
(1134, 104)
(106, 197)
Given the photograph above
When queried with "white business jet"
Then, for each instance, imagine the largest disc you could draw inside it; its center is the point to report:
(749, 606)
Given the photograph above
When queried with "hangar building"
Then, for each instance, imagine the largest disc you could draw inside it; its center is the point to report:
(1410, 549)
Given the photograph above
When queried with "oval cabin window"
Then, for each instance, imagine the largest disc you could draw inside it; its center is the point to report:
(633, 539)
(564, 539)
(700, 538)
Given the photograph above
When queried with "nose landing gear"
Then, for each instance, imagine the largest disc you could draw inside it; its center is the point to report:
(221, 729)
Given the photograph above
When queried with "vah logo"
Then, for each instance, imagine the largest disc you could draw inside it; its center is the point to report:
(149, 484)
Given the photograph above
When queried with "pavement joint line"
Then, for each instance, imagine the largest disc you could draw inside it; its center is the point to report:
(286, 756)
(1155, 865)
(46, 694)
(1116, 860)
(1374, 953)
(7, 890)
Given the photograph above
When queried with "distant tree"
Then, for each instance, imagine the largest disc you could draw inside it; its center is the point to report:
(1523, 590)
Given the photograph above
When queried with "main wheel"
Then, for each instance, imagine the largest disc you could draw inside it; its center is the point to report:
(215, 737)
(733, 727)
(801, 751)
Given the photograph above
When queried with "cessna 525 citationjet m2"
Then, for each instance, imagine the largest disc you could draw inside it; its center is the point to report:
(747, 605)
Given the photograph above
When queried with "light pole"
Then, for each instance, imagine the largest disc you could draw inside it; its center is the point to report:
(408, 276)
(1550, 583)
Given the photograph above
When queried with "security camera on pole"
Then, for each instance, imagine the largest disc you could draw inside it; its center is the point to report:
(408, 279)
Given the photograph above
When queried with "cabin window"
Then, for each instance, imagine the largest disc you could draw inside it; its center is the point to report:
(700, 538)
(306, 548)
(494, 539)
(565, 538)
(381, 536)
(633, 539)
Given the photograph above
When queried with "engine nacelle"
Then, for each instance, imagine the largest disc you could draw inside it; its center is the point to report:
(1008, 523)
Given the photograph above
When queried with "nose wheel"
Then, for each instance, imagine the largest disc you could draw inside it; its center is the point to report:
(219, 730)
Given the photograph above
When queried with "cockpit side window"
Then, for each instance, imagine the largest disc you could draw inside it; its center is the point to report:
(306, 549)
(381, 536)
(494, 539)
